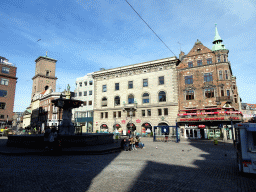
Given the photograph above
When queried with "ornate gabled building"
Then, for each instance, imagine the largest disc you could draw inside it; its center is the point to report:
(208, 95)
(136, 97)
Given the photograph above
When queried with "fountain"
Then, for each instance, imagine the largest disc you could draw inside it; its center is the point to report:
(66, 130)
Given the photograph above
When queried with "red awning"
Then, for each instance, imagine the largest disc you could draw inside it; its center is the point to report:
(200, 109)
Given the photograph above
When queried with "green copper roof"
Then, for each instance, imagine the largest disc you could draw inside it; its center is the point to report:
(217, 41)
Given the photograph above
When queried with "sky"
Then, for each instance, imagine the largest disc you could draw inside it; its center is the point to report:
(86, 35)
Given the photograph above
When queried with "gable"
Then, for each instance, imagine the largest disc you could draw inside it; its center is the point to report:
(198, 45)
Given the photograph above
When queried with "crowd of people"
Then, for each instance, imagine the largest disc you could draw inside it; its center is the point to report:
(131, 143)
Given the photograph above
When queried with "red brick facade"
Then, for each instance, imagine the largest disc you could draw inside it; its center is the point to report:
(8, 81)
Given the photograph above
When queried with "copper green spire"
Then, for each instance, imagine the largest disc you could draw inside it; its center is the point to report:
(217, 41)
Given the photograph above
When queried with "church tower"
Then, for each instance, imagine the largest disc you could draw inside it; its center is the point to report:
(44, 75)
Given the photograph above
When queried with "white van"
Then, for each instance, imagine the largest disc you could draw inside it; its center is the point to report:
(245, 144)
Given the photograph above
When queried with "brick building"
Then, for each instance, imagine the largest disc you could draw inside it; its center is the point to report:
(7, 91)
(208, 95)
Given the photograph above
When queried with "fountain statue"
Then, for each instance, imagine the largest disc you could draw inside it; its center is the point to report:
(66, 127)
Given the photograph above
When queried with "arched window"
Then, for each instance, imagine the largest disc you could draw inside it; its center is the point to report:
(104, 102)
(130, 99)
(46, 87)
(145, 98)
(117, 100)
(162, 96)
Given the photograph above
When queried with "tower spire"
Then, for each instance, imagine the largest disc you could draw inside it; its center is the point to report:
(217, 41)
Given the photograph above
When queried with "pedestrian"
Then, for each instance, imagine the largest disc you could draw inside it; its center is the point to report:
(132, 141)
(166, 136)
(129, 132)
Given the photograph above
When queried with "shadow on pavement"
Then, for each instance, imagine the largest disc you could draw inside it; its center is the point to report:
(214, 170)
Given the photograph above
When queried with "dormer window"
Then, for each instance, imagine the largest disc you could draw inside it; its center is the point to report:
(198, 50)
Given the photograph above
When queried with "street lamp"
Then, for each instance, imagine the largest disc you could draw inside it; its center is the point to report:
(131, 109)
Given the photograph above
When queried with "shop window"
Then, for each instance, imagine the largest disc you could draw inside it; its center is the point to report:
(130, 84)
(145, 82)
(189, 79)
(209, 92)
(161, 80)
(145, 98)
(162, 96)
(190, 64)
(199, 62)
(209, 61)
(189, 95)
(208, 77)
(116, 86)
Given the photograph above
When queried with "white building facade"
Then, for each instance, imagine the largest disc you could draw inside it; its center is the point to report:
(136, 97)
(83, 116)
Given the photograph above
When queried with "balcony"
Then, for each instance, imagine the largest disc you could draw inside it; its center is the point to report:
(224, 98)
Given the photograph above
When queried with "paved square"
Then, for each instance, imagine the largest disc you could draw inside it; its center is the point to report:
(195, 166)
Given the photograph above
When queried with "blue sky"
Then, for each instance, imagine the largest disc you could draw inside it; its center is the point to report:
(85, 35)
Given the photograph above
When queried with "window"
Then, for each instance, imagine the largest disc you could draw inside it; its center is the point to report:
(101, 115)
(119, 113)
(117, 100)
(90, 92)
(199, 62)
(162, 96)
(220, 75)
(222, 92)
(161, 80)
(104, 88)
(85, 83)
(80, 94)
(85, 93)
(145, 98)
(90, 82)
(90, 102)
(226, 74)
(2, 105)
(145, 82)
(130, 99)
(116, 86)
(47, 73)
(149, 112)
(143, 113)
(209, 61)
(190, 64)
(130, 84)
(207, 77)
(85, 103)
(189, 79)
(218, 59)
(165, 111)
(1, 116)
(4, 81)
(114, 114)
(235, 99)
(3, 93)
(228, 92)
(106, 114)
(5, 70)
(80, 84)
(75, 94)
(159, 112)
(104, 102)
(209, 92)
(189, 95)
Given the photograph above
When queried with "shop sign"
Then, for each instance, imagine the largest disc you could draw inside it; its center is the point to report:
(138, 121)
(196, 119)
(235, 118)
(215, 118)
(123, 121)
(201, 126)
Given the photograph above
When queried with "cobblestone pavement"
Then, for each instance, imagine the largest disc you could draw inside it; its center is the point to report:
(194, 166)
